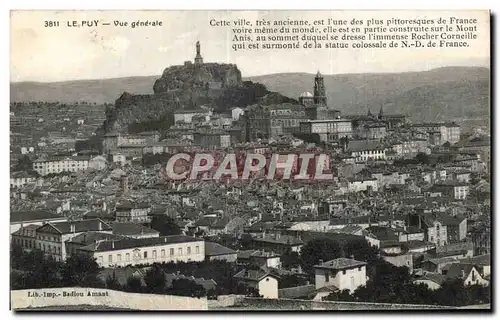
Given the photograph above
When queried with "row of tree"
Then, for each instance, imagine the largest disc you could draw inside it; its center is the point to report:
(34, 270)
(392, 284)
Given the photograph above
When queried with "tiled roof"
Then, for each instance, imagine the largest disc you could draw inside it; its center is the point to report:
(79, 226)
(482, 260)
(455, 270)
(130, 229)
(340, 264)
(253, 275)
(90, 237)
(363, 145)
(434, 277)
(128, 243)
(215, 249)
(18, 216)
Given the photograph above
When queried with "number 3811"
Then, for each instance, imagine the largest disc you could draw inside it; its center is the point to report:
(49, 24)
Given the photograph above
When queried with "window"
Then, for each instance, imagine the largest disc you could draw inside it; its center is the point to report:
(154, 254)
(172, 251)
(119, 258)
(189, 250)
(145, 254)
(127, 257)
(163, 253)
(197, 249)
(344, 272)
(110, 259)
(180, 251)
(327, 277)
(359, 269)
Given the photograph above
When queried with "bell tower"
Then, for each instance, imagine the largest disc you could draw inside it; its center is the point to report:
(198, 60)
(319, 90)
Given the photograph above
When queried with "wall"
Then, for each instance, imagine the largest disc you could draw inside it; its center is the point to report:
(116, 299)
(293, 304)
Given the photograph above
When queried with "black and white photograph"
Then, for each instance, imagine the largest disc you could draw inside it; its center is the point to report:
(259, 160)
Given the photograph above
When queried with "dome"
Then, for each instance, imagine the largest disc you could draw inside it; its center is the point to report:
(306, 95)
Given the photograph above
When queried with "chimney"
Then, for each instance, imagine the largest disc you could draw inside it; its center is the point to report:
(463, 274)
(320, 261)
(352, 256)
(307, 283)
(165, 239)
(100, 225)
(72, 228)
(112, 244)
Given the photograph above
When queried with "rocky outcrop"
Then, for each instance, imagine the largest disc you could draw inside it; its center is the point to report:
(218, 86)
(205, 76)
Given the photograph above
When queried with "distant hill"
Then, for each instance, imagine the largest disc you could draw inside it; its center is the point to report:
(443, 93)
(99, 91)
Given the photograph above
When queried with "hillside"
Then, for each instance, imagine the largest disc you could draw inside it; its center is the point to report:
(443, 93)
(98, 91)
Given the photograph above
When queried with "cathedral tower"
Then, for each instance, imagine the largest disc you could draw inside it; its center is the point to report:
(198, 59)
(319, 90)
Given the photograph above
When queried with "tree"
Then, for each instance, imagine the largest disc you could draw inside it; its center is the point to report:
(291, 280)
(112, 283)
(165, 225)
(290, 259)
(186, 287)
(155, 279)
(80, 270)
(24, 163)
(16, 256)
(134, 284)
(319, 249)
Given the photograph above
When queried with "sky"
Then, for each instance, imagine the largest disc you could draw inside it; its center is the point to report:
(50, 54)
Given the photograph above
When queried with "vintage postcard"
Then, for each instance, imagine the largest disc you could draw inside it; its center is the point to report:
(250, 160)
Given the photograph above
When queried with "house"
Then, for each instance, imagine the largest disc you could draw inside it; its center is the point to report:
(440, 228)
(482, 263)
(25, 237)
(98, 163)
(18, 219)
(341, 273)
(277, 243)
(51, 238)
(438, 265)
(128, 211)
(362, 184)
(130, 251)
(262, 258)
(20, 179)
(363, 150)
(215, 251)
(236, 113)
(134, 230)
(61, 164)
(264, 281)
(452, 188)
(466, 272)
